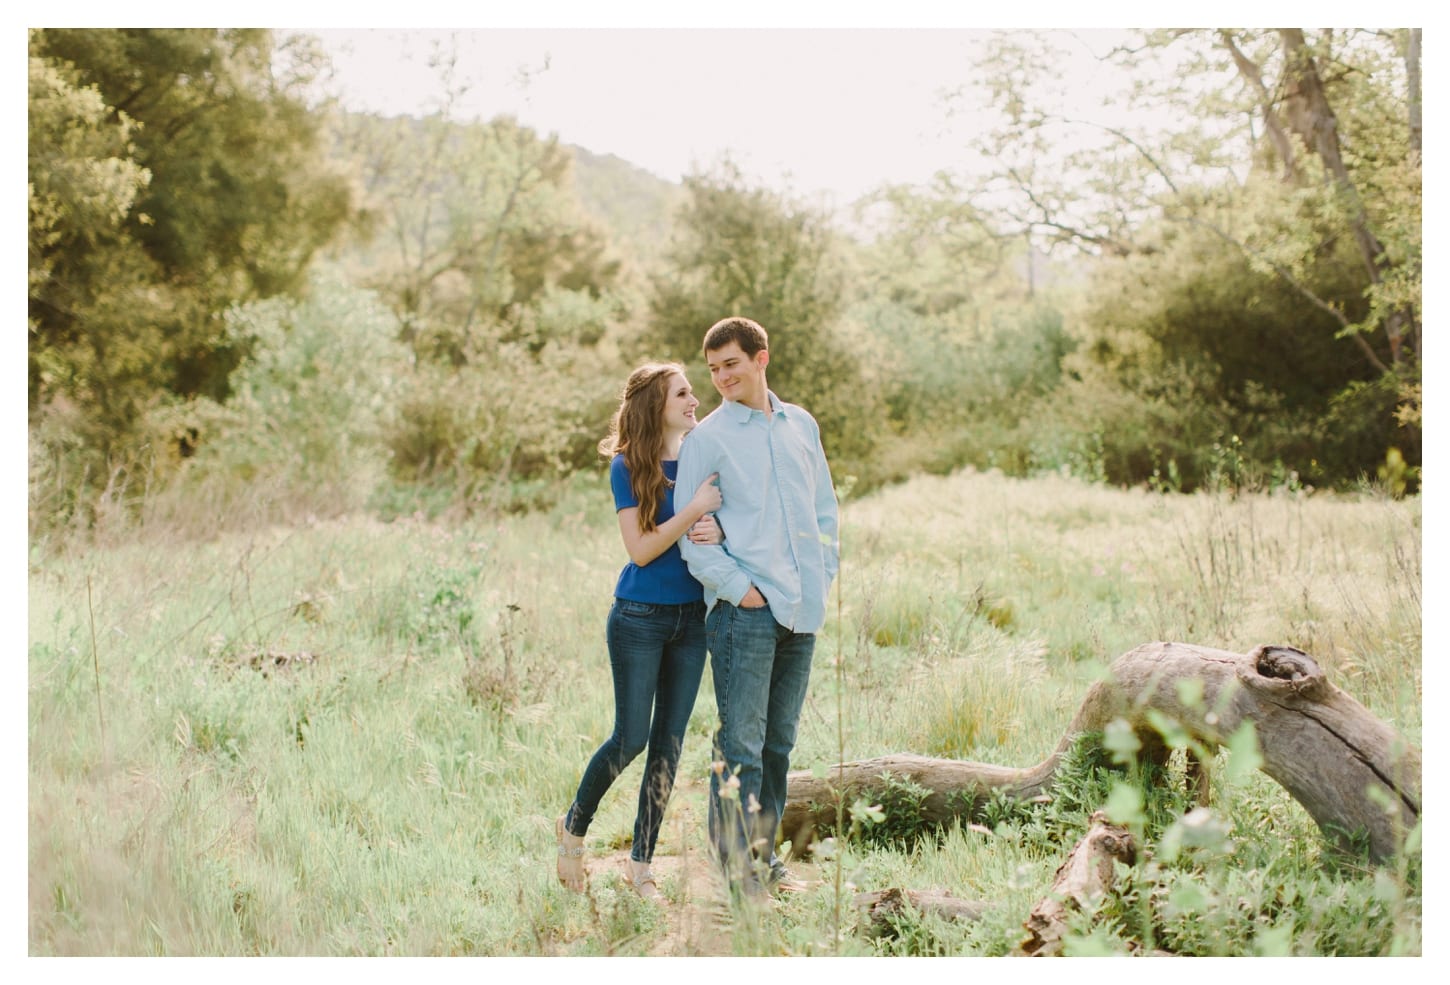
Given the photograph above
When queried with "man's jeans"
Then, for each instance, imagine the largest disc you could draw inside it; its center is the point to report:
(760, 670)
(657, 653)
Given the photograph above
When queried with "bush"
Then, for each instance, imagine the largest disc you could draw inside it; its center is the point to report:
(1192, 360)
(299, 435)
(502, 418)
(303, 429)
(957, 393)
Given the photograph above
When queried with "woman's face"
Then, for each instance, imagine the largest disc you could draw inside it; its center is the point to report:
(680, 404)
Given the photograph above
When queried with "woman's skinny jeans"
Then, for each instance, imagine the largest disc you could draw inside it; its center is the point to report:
(657, 654)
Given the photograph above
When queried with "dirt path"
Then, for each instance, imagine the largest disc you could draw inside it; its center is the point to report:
(698, 921)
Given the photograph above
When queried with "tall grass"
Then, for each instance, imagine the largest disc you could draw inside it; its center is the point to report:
(349, 737)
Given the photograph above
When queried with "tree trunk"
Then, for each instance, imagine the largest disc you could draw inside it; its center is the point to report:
(1412, 79)
(1353, 773)
(1268, 106)
(1306, 106)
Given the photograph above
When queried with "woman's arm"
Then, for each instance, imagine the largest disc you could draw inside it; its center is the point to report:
(645, 547)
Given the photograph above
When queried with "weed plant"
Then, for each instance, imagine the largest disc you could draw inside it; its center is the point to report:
(352, 737)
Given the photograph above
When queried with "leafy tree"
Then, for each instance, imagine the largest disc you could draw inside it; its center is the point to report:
(201, 187)
(964, 327)
(1214, 351)
(1372, 151)
(935, 250)
(303, 432)
(87, 284)
(470, 224)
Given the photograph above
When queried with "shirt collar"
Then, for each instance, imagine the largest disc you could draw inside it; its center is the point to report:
(741, 413)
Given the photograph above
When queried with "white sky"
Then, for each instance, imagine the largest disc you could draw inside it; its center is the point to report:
(836, 111)
(831, 97)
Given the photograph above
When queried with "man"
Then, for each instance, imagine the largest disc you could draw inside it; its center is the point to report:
(765, 589)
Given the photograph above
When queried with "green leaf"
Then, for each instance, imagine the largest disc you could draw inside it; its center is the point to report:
(1125, 804)
(1187, 897)
(1098, 944)
(1244, 758)
(1173, 732)
(861, 810)
(1200, 830)
(1190, 692)
(1412, 840)
(1273, 942)
(1121, 741)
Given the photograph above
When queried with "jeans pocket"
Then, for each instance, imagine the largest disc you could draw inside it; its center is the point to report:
(713, 619)
(642, 609)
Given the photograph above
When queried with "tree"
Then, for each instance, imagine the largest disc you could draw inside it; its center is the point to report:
(474, 236)
(470, 224)
(128, 288)
(1300, 105)
(85, 281)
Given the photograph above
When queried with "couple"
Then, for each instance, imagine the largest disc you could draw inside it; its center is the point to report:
(752, 586)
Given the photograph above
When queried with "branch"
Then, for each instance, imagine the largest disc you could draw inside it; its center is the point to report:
(1112, 244)
(1289, 279)
(1121, 250)
(1255, 80)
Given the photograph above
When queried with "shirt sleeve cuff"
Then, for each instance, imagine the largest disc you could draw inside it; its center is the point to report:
(735, 590)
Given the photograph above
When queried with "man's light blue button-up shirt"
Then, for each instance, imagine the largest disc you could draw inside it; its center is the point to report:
(778, 510)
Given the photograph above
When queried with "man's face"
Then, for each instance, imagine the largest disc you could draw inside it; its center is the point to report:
(739, 377)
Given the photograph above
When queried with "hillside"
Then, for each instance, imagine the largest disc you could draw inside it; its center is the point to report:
(634, 205)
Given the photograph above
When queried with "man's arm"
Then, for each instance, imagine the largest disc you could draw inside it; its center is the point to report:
(828, 513)
(711, 564)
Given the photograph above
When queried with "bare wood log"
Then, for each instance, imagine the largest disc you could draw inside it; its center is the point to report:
(883, 907)
(1326, 749)
(1085, 878)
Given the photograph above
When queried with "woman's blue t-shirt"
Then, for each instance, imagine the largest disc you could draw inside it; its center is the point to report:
(665, 580)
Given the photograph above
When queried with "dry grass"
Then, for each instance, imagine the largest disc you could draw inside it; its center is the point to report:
(350, 737)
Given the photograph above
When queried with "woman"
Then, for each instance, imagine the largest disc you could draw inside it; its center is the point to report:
(656, 627)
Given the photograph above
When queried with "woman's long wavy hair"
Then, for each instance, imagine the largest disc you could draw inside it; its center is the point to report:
(637, 432)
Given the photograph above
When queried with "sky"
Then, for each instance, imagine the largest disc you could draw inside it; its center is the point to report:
(823, 98)
(834, 112)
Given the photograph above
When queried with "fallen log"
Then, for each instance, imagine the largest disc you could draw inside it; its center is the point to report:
(1081, 882)
(1352, 772)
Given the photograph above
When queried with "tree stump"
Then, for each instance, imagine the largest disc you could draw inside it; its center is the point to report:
(1352, 772)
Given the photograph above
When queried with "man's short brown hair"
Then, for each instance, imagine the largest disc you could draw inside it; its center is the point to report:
(742, 331)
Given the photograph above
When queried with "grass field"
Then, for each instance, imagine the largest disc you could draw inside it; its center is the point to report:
(351, 737)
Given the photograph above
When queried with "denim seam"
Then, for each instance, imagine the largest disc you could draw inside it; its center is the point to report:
(728, 632)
